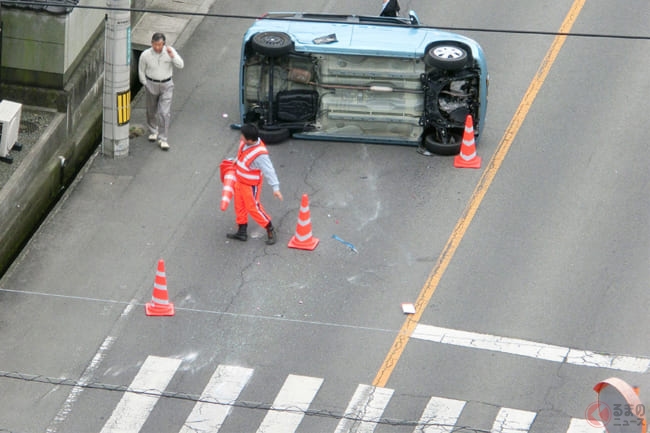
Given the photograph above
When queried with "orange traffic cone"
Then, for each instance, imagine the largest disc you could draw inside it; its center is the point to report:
(159, 305)
(228, 178)
(303, 238)
(467, 158)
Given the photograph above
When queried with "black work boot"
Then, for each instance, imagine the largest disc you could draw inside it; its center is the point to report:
(240, 235)
(270, 232)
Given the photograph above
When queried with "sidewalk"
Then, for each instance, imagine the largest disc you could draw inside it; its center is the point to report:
(176, 26)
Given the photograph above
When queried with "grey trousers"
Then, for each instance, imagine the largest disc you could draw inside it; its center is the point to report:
(159, 105)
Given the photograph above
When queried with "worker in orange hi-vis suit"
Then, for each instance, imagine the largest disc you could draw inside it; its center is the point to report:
(252, 165)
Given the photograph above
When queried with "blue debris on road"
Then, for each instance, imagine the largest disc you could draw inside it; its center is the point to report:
(346, 243)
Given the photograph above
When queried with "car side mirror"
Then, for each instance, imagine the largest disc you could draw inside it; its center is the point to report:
(414, 18)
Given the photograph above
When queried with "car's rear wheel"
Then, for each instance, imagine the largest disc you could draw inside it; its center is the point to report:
(436, 145)
(272, 44)
(447, 56)
(274, 136)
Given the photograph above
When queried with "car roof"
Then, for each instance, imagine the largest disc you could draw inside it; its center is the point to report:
(355, 34)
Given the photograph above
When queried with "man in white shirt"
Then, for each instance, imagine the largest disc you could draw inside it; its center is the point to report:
(155, 70)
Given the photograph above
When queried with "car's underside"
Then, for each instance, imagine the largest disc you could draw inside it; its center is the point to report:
(422, 101)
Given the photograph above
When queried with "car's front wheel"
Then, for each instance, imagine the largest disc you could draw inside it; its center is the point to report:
(447, 56)
(272, 44)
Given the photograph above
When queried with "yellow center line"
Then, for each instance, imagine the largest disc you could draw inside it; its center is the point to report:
(396, 350)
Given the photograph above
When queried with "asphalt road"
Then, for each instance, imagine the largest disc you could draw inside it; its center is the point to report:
(548, 244)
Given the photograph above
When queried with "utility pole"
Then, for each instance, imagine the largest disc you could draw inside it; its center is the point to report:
(1, 38)
(117, 90)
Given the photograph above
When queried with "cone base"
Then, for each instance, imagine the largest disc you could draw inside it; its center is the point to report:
(153, 309)
(475, 162)
(306, 245)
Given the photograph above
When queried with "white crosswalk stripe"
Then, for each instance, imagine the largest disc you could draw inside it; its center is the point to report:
(512, 421)
(440, 415)
(364, 410)
(217, 398)
(290, 404)
(134, 407)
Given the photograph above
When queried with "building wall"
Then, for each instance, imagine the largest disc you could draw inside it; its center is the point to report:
(80, 26)
(33, 41)
(40, 48)
(43, 49)
(51, 59)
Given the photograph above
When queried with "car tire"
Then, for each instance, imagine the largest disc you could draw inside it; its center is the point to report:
(439, 148)
(447, 56)
(272, 44)
(274, 136)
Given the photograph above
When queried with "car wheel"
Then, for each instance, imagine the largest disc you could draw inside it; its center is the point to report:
(447, 56)
(272, 44)
(451, 147)
(274, 136)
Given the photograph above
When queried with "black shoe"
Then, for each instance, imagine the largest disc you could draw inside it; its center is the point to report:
(240, 235)
(271, 236)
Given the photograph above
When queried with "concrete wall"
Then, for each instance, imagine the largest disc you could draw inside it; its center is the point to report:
(81, 27)
(39, 48)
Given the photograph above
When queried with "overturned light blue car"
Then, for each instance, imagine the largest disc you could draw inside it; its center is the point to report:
(361, 79)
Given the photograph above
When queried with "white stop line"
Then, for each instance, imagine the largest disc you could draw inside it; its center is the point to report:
(531, 349)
